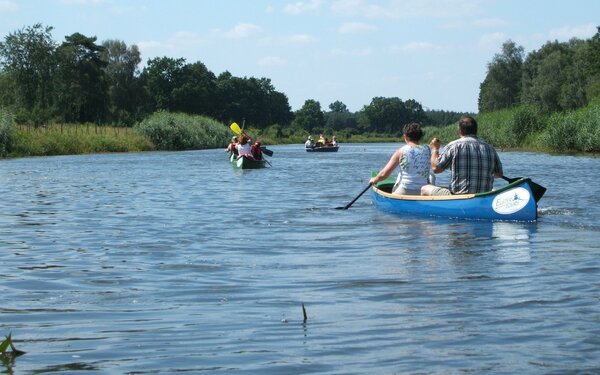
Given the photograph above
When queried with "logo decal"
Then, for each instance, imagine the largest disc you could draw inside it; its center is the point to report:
(511, 201)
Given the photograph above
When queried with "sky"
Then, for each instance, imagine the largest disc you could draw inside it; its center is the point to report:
(433, 51)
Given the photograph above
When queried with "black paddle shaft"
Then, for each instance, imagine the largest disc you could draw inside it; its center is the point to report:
(354, 200)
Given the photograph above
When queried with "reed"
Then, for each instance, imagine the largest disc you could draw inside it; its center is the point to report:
(71, 139)
(179, 131)
(6, 132)
(576, 131)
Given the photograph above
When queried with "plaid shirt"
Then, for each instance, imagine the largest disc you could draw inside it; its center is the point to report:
(473, 164)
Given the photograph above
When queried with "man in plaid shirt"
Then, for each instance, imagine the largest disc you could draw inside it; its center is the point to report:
(473, 162)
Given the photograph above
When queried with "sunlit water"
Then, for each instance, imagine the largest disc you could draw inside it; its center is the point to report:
(175, 262)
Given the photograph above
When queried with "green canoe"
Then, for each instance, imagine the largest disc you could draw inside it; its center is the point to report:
(247, 163)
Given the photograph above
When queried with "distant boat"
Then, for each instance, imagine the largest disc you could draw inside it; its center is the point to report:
(246, 162)
(326, 148)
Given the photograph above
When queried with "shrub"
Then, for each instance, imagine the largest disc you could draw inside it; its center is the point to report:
(178, 131)
(6, 132)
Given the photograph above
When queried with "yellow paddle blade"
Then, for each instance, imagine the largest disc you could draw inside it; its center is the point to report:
(235, 128)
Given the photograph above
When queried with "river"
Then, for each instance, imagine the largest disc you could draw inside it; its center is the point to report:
(174, 262)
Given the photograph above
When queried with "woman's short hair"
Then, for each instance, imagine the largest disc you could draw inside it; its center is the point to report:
(413, 131)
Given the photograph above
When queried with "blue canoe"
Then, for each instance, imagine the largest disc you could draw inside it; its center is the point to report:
(513, 202)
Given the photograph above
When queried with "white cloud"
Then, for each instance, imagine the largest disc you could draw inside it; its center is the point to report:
(83, 2)
(241, 31)
(302, 7)
(7, 6)
(414, 47)
(405, 9)
(296, 39)
(567, 32)
(177, 45)
(355, 27)
(271, 61)
(365, 52)
(492, 40)
(489, 23)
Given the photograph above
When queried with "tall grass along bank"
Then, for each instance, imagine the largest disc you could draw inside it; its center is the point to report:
(179, 131)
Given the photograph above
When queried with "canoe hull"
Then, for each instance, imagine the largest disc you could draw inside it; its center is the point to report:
(322, 149)
(513, 202)
(246, 163)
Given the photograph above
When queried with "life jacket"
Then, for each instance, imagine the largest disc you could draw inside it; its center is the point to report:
(256, 152)
(233, 148)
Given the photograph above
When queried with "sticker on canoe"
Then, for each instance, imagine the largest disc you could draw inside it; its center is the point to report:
(511, 201)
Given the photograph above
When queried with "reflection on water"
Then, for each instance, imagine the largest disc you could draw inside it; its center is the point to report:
(175, 262)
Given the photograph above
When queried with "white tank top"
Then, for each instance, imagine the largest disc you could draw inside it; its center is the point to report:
(415, 167)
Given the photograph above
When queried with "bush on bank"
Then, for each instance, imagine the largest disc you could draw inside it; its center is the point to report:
(6, 132)
(179, 131)
(526, 127)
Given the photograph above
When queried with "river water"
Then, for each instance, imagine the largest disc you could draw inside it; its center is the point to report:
(166, 263)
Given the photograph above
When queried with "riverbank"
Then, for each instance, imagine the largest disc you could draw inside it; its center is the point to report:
(518, 129)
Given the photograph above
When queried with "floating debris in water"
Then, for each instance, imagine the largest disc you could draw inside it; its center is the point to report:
(4, 347)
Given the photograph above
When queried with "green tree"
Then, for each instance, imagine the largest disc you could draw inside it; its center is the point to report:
(122, 80)
(82, 88)
(384, 115)
(251, 99)
(28, 61)
(340, 118)
(338, 107)
(160, 77)
(195, 90)
(501, 87)
(310, 117)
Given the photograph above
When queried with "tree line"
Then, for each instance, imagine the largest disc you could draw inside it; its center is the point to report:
(560, 76)
(83, 81)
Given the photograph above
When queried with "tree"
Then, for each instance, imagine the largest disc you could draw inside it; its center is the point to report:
(501, 87)
(385, 115)
(338, 107)
(122, 79)
(195, 90)
(544, 74)
(28, 60)
(82, 87)
(160, 77)
(310, 117)
(252, 99)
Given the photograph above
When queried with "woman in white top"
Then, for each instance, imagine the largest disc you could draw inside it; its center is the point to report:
(244, 148)
(414, 162)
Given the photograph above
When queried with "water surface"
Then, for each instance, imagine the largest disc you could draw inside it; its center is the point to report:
(175, 262)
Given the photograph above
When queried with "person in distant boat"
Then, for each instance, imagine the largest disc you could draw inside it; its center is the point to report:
(232, 146)
(414, 162)
(309, 142)
(257, 151)
(472, 162)
(333, 141)
(244, 148)
(321, 141)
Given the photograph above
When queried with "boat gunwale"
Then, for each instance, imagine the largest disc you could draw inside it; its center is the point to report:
(441, 197)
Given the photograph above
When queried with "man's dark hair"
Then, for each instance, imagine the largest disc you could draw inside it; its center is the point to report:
(413, 131)
(467, 125)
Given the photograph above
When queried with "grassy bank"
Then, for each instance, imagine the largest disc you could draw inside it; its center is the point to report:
(524, 127)
(70, 139)
(161, 131)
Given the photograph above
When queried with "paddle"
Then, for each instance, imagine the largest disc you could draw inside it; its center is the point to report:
(537, 190)
(236, 129)
(354, 200)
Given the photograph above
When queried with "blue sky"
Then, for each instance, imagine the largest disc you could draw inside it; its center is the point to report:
(433, 51)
